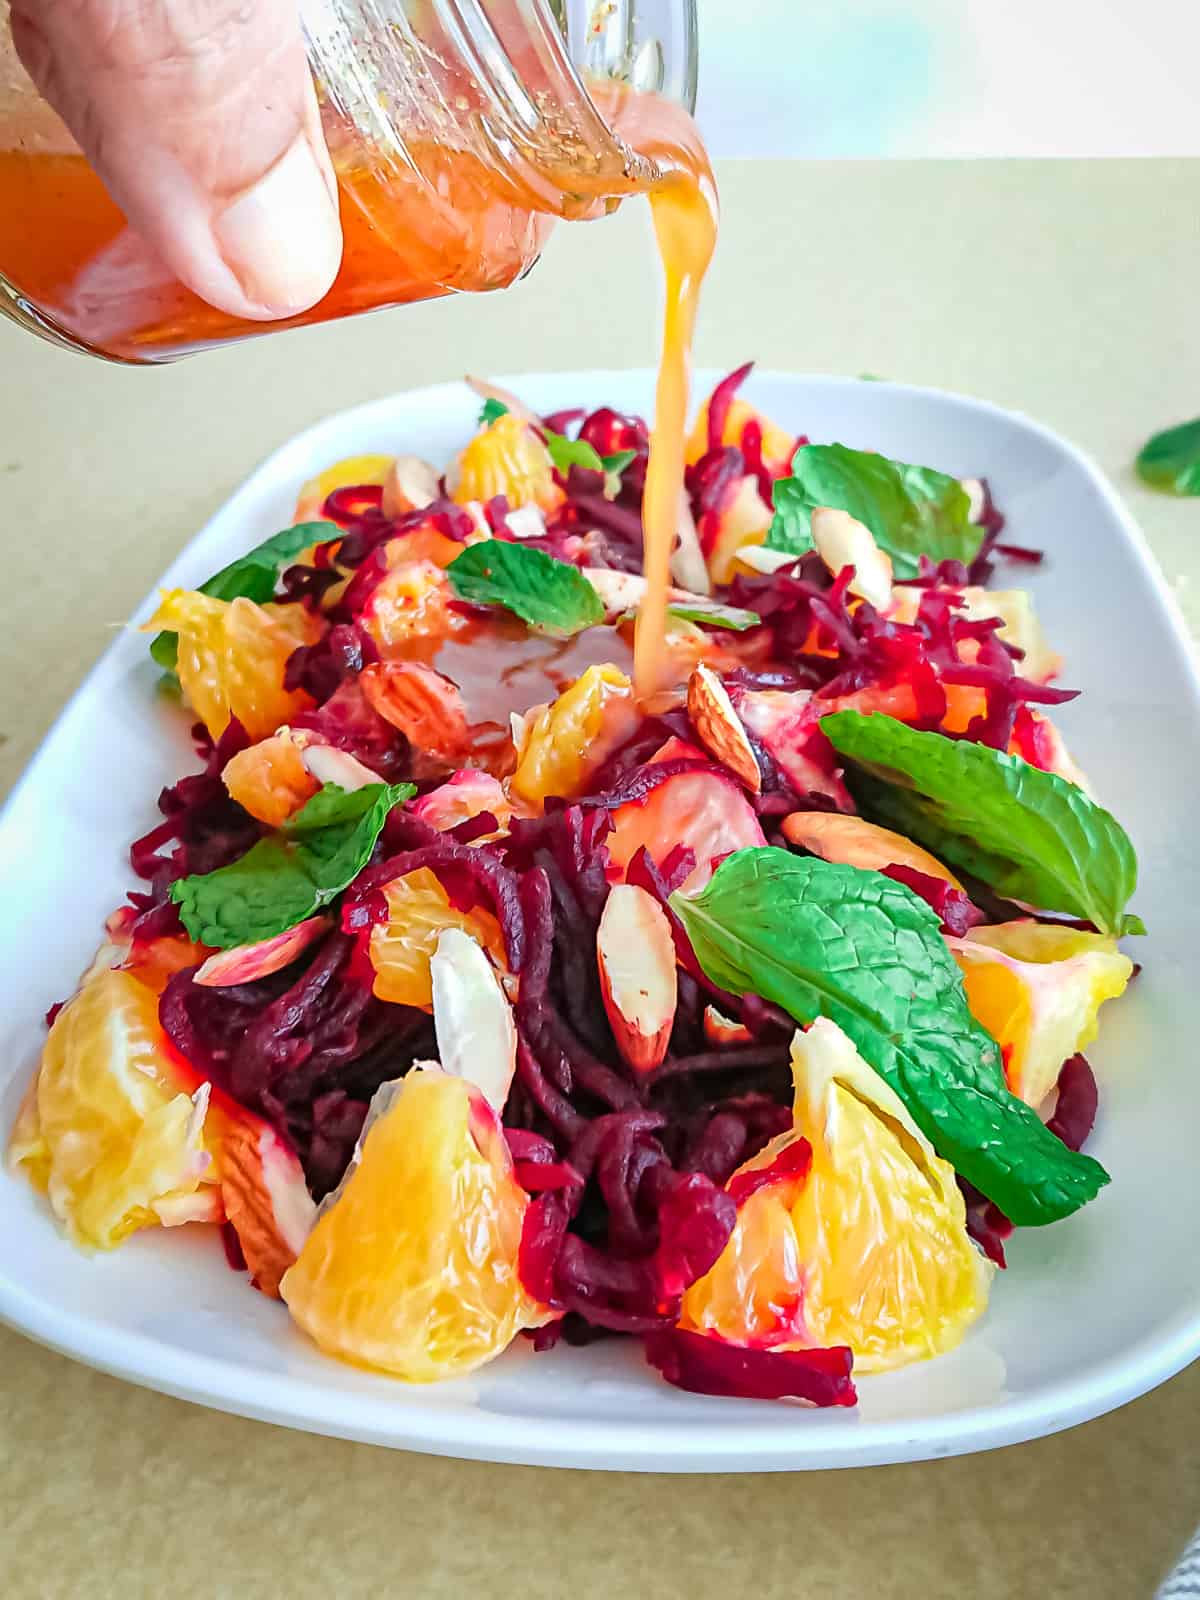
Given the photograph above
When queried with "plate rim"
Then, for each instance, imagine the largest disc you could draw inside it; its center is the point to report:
(226, 1385)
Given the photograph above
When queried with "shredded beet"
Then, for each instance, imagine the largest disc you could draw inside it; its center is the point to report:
(1075, 1113)
(958, 915)
(707, 1365)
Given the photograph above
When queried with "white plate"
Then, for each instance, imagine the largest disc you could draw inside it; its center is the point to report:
(1091, 1312)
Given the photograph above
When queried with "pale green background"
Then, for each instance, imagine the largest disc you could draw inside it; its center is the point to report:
(1066, 290)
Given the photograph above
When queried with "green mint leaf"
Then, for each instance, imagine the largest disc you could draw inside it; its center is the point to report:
(714, 615)
(490, 410)
(164, 651)
(251, 577)
(1171, 460)
(291, 874)
(912, 511)
(826, 940)
(615, 465)
(547, 594)
(1030, 835)
(567, 453)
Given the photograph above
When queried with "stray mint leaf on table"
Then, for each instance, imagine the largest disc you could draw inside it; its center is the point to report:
(1170, 461)
(1030, 835)
(292, 873)
(911, 510)
(546, 593)
(821, 939)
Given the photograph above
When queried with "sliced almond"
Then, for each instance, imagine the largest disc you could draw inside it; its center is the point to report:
(619, 591)
(720, 728)
(719, 1030)
(526, 522)
(977, 495)
(411, 485)
(856, 843)
(246, 962)
(492, 391)
(327, 764)
(759, 559)
(265, 1197)
(843, 541)
(636, 956)
(476, 1035)
(688, 566)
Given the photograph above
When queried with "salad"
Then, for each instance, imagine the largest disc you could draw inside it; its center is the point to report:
(469, 993)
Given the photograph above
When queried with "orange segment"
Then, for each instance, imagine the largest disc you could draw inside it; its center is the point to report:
(112, 1136)
(870, 1251)
(410, 602)
(778, 446)
(232, 656)
(412, 1266)
(270, 780)
(507, 458)
(426, 707)
(1038, 991)
(347, 474)
(563, 743)
(400, 949)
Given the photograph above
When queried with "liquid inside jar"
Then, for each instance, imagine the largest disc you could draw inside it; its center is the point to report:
(68, 251)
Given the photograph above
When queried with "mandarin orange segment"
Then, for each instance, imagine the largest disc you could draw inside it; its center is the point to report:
(347, 474)
(426, 707)
(778, 446)
(412, 1266)
(411, 602)
(232, 655)
(114, 1138)
(1038, 991)
(269, 779)
(563, 743)
(507, 457)
(401, 948)
(870, 1250)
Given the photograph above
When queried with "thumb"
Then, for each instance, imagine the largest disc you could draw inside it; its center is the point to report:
(200, 117)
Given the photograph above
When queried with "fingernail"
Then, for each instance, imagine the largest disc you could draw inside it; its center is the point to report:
(281, 239)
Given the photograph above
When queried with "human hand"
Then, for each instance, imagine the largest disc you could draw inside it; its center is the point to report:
(200, 117)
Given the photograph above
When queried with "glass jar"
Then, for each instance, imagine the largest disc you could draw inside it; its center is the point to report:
(458, 129)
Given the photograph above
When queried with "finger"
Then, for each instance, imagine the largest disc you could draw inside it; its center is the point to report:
(200, 117)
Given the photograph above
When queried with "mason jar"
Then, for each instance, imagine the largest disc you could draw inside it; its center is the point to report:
(459, 130)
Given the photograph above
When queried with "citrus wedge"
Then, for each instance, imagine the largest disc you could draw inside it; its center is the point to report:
(869, 1250)
(108, 1132)
(1038, 989)
(400, 950)
(232, 655)
(412, 1266)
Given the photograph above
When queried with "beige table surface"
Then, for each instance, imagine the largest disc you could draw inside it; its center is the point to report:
(1066, 290)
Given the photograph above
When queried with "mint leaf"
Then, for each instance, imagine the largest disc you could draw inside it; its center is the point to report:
(490, 410)
(714, 615)
(291, 874)
(251, 577)
(912, 511)
(825, 940)
(567, 453)
(1171, 460)
(1030, 835)
(547, 594)
(615, 465)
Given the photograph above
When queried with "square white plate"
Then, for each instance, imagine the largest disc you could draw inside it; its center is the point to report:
(1090, 1313)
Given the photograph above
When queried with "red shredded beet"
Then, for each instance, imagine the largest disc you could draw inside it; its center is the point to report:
(1075, 1113)
(958, 915)
(707, 1365)
(791, 1165)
